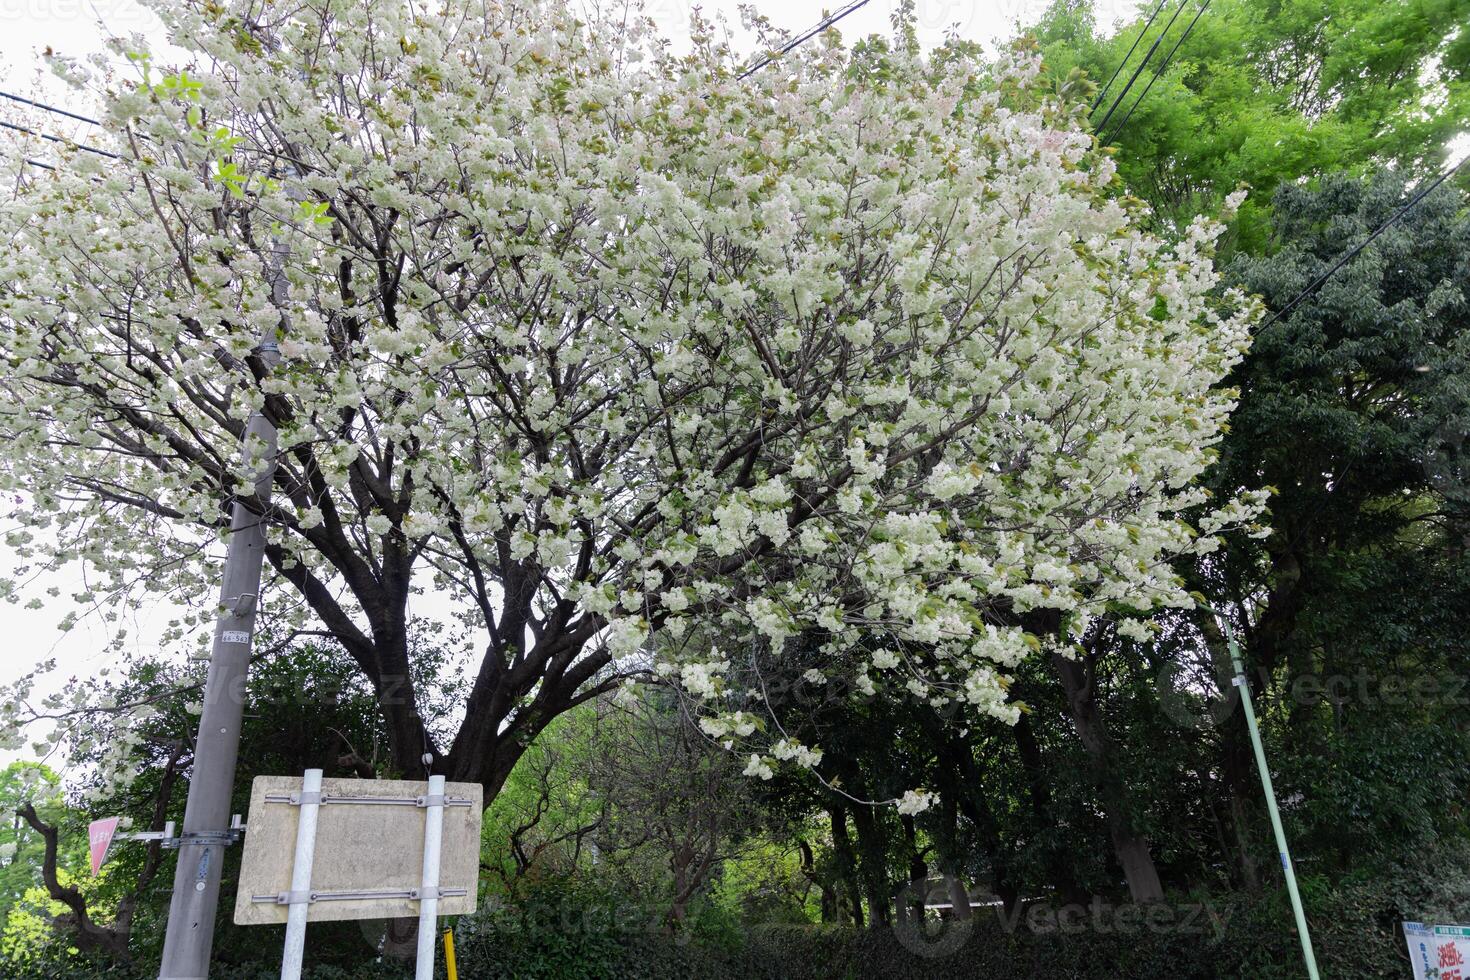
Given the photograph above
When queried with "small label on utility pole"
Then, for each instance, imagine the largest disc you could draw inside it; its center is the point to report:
(234, 636)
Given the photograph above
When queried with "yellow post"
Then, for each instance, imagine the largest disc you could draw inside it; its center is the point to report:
(449, 954)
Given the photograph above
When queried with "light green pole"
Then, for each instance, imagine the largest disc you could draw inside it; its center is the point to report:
(1286, 866)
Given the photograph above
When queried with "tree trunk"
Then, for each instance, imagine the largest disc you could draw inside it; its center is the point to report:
(1138, 864)
(1038, 793)
(947, 840)
(1236, 762)
(114, 938)
(918, 867)
(846, 861)
(827, 894)
(874, 865)
(1129, 846)
(88, 936)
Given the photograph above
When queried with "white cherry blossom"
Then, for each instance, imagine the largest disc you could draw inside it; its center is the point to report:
(617, 350)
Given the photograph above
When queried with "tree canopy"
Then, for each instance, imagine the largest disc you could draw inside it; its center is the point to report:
(1267, 93)
(600, 343)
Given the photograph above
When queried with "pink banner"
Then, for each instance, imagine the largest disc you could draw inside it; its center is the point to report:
(99, 835)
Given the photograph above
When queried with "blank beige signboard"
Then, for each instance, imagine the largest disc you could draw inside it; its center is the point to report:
(359, 847)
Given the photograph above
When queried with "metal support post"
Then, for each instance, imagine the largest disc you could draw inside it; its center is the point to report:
(1286, 866)
(300, 897)
(429, 891)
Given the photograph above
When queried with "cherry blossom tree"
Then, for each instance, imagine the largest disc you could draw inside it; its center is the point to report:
(617, 351)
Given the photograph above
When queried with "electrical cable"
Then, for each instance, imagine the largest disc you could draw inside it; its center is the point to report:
(49, 108)
(1348, 257)
(1141, 66)
(1102, 92)
(1163, 66)
(803, 37)
(58, 139)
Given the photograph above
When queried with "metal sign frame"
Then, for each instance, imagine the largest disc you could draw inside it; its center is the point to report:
(310, 801)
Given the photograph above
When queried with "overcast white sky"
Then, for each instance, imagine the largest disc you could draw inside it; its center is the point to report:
(77, 27)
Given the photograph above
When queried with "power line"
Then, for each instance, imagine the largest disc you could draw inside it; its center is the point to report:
(1162, 67)
(49, 108)
(45, 136)
(1141, 65)
(1102, 92)
(803, 37)
(1317, 283)
(59, 112)
(58, 139)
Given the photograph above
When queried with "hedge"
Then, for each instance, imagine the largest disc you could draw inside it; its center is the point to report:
(570, 933)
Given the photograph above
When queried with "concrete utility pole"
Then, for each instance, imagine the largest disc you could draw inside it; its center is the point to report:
(191, 912)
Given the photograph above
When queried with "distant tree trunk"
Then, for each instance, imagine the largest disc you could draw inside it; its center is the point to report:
(1138, 864)
(912, 904)
(690, 865)
(873, 852)
(1236, 775)
(400, 939)
(918, 867)
(1130, 847)
(947, 840)
(1043, 813)
(827, 894)
(90, 937)
(846, 860)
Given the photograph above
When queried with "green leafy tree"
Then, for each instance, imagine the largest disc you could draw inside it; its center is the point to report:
(1354, 408)
(1351, 408)
(307, 706)
(20, 847)
(1268, 92)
